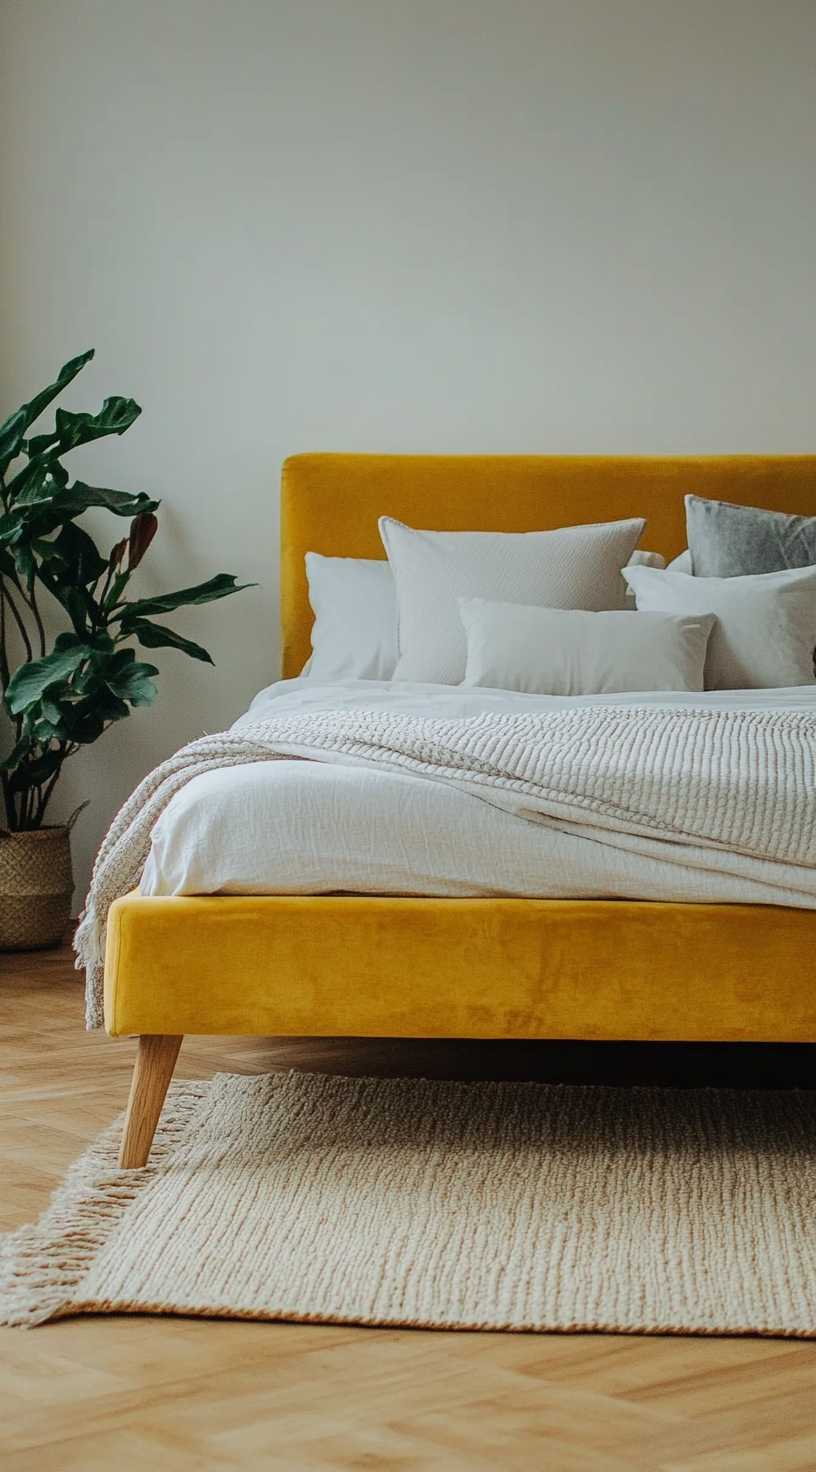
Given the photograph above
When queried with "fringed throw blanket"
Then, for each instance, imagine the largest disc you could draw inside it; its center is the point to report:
(740, 780)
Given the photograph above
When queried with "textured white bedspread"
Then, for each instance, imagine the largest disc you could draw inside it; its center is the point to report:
(299, 827)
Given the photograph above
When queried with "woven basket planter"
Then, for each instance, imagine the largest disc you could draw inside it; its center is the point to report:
(36, 888)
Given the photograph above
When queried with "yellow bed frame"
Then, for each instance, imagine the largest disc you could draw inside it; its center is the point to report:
(377, 966)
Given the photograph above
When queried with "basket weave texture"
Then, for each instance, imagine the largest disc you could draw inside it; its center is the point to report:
(36, 888)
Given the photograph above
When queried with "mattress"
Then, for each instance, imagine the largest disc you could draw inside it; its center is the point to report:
(303, 827)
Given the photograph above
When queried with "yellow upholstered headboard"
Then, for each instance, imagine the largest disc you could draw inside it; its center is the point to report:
(331, 503)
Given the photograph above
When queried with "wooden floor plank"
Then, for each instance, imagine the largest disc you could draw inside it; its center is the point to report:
(96, 1394)
(792, 1454)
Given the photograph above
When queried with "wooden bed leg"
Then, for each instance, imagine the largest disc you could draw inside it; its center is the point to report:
(153, 1070)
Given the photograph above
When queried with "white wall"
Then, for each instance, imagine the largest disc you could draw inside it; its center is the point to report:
(499, 225)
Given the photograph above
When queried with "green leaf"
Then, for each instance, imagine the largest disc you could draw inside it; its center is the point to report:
(70, 641)
(34, 483)
(26, 565)
(36, 769)
(20, 752)
(78, 497)
(90, 726)
(68, 372)
(49, 703)
(218, 587)
(11, 527)
(89, 680)
(116, 590)
(12, 435)
(46, 551)
(76, 604)
(32, 679)
(145, 694)
(45, 731)
(70, 572)
(156, 636)
(35, 487)
(40, 443)
(115, 416)
(116, 660)
(76, 561)
(13, 431)
(103, 706)
(133, 683)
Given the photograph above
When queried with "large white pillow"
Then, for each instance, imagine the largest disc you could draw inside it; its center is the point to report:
(354, 636)
(550, 651)
(575, 567)
(765, 632)
(355, 604)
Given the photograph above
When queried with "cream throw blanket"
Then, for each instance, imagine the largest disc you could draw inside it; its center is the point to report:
(744, 781)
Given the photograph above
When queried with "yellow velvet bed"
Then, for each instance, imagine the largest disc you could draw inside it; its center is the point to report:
(471, 968)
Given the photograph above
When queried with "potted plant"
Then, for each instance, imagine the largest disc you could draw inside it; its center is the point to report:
(61, 692)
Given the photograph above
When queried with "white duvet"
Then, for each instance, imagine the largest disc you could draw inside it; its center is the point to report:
(301, 827)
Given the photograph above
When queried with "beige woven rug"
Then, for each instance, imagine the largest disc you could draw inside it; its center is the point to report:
(491, 1206)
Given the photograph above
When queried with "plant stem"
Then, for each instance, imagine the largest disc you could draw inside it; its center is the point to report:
(32, 603)
(100, 597)
(8, 803)
(44, 793)
(5, 672)
(5, 592)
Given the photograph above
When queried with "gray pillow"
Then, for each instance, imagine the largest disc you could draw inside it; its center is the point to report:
(728, 541)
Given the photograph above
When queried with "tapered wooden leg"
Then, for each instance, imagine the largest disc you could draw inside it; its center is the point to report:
(155, 1061)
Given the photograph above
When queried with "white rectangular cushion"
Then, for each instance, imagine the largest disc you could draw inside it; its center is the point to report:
(765, 632)
(354, 635)
(573, 567)
(550, 651)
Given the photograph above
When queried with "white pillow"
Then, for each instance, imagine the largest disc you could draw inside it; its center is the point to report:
(354, 636)
(575, 567)
(766, 624)
(681, 563)
(548, 651)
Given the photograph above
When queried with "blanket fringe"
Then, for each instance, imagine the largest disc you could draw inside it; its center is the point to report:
(89, 946)
(41, 1265)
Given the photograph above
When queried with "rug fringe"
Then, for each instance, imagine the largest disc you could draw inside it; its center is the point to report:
(42, 1263)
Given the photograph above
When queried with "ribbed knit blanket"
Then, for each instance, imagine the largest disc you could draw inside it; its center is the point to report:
(739, 780)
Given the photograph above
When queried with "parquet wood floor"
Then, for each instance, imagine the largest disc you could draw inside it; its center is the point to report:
(104, 1394)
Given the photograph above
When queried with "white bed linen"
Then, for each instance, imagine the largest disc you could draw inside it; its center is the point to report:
(300, 827)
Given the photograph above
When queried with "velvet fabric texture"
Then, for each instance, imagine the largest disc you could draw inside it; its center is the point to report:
(376, 966)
